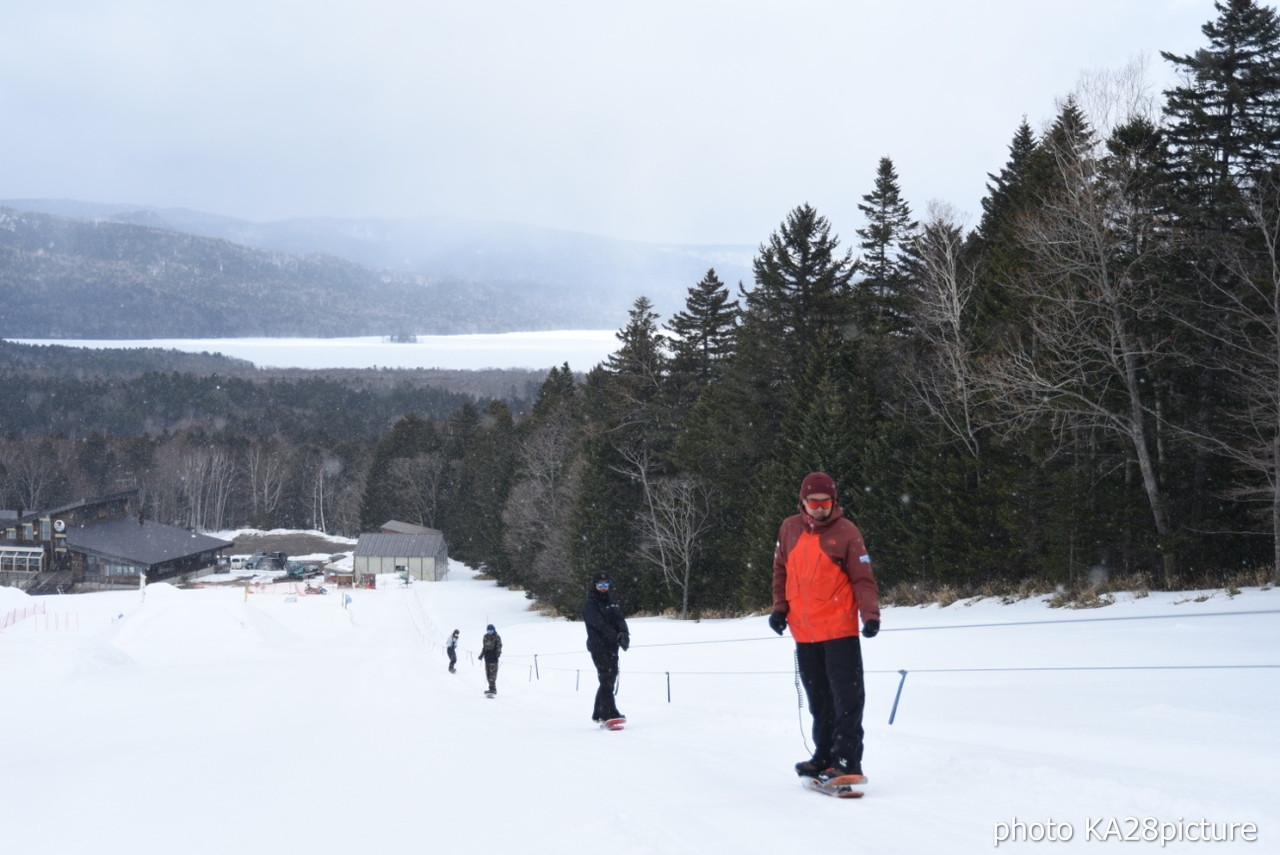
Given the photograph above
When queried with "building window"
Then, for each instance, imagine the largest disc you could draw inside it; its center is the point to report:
(117, 571)
(104, 568)
(16, 559)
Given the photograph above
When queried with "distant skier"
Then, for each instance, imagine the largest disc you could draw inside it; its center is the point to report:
(490, 652)
(606, 632)
(452, 649)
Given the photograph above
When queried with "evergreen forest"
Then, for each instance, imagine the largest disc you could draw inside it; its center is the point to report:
(1084, 384)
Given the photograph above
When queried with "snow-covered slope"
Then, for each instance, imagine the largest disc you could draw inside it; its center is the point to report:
(215, 721)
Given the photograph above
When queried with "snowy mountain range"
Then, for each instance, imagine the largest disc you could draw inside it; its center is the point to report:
(77, 269)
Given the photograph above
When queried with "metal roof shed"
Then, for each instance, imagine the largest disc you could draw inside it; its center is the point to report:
(424, 557)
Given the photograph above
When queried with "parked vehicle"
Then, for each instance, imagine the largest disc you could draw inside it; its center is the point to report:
(267, 561)
(296, 570)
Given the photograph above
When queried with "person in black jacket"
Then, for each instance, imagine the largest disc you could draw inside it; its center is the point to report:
(490, 652)
(606, 632)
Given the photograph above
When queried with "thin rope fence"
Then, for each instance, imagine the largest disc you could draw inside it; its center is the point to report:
(537, 657)
(537, 667)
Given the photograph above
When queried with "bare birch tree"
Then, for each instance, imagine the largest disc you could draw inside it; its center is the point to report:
(418, 483)
(944, 383)
(208, 479)
(1248, 311)
(266, 467)
(535, 517)
(32, 469)
(677, 514)
(318, 477)
(343, 516)
(163, 487)
(1112, 97)
(322, 477)
(1083, 363)
(674, 516)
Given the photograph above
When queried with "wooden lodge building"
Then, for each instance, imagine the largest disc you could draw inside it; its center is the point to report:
(97, 544)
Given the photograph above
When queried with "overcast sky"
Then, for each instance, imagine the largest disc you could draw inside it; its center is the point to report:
(696, 121)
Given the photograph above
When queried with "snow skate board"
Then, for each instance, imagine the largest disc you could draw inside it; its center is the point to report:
(841, 786)
(613, 724)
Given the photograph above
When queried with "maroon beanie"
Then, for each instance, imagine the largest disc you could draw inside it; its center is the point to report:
(817, 482)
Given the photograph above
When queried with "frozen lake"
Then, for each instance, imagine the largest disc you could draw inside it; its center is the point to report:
(581, 349)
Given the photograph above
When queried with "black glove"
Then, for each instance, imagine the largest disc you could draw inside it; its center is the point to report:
(778, 622)
(870, 628)
(624, 640)
(481, 656)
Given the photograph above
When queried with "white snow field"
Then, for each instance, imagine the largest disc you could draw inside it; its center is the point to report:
(215, 721)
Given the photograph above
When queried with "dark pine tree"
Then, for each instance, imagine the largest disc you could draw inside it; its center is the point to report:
(882, 296)
(1224, 119)
(481, 451)
(802, 287)
(993, 248)
(800, 309)
(627, 441)
(702, 339)
(1222, 124)
(409, 436)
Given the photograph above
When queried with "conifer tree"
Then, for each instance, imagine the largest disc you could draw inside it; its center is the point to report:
(409, 436)
(1222, 124)
(1224, 119)
(881, 293)
(482, 451)
(558, 388)
(803, 297)
(702, 339)
(994, 249)
(639, 365)
(1006, 190)
(802, 287)
(802, 300)
(626, 444)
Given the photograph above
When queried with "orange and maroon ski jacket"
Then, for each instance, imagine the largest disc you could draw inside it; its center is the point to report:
(822, 577)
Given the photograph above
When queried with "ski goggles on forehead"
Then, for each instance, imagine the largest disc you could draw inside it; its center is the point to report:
(816, 504)
(604, 586)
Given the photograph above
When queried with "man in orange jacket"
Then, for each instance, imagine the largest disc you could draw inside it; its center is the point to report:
(822, 585)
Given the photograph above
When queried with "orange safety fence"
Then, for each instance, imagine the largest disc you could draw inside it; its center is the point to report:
(15, 615)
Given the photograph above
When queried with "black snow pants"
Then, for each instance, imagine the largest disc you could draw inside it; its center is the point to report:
(607, 671)
(831, 673)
